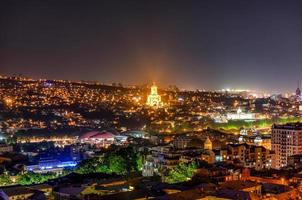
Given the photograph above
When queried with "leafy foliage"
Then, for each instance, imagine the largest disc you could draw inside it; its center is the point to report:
(89, 166)
(34, 178)
(5, 180)
(119, 161)
(181, 173)
(117, 164)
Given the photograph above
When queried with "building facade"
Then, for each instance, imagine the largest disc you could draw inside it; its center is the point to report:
(5, 148)
(154, 99)
(250, 156)
(286, 141)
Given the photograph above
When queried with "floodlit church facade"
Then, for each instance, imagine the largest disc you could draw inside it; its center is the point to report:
(153, 98)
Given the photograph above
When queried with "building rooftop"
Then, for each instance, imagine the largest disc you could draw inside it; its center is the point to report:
(184, 195)
(96, 134)
(17, 190)
(20, 190)
(233, 194)
(289, 126)
(297, 156)
(239, 185)
(71, 190)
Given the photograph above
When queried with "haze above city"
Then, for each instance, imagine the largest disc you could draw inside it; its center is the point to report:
(201, 44)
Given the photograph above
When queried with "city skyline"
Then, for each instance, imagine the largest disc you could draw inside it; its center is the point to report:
(197, 45)
(149, 84)
(140, 99)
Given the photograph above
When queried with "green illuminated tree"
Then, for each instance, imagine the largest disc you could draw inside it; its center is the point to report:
(181, 173)
(117, 165)
(89, 166)
(139, 162)
(102, 168)
(120, 161)
(5, 180)
(34, 178)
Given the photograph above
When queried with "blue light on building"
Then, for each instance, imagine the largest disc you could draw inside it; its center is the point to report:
(51, 165)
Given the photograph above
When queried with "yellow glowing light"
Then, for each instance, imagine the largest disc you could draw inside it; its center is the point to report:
(154, 99)
(8, 101)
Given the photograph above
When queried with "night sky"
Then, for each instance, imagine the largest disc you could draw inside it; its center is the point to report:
(193, 44)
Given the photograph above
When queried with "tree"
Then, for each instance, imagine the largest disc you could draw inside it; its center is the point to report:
(139, 162)
(181, 173)
(117, 165)
(34, 178)
(102, 168)
(5, 180)
(120, 161)
(89, 166)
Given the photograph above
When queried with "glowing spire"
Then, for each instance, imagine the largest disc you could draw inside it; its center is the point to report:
(154, 89)
(208, 144)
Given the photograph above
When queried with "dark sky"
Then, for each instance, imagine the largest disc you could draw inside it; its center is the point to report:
(193, 44)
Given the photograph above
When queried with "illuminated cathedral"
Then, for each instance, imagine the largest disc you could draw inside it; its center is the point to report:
(154, 99)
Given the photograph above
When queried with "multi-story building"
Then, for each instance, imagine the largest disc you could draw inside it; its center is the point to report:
(286, 141)
(149, 166)
(259, 140)
(187, 142)
(5, 148)
(161, 159)
(182, 142)
(251, 156)
(295, 161)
